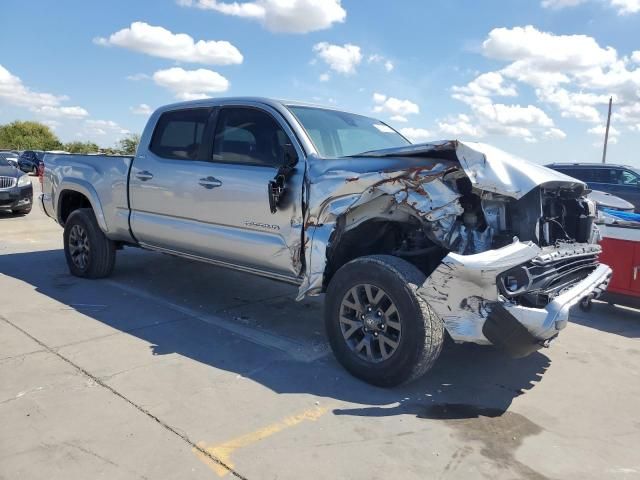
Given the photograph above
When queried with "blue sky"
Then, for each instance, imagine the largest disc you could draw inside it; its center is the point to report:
(530, 76)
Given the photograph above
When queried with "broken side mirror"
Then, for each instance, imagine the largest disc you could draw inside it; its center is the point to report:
(276, 187)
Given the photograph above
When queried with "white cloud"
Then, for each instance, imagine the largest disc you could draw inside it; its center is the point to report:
(546, 51)
(160, 42)
(342, 59)
(288, 16)
(550, 63)
(325, 77)
(600, 130)
(486, 85)
(136, 77)
(544, 60)
(103, 127)
(626, 7)
(459, 126)
(514, 115)
(377, 58)
(14, 92)
(498, 119)
(399, 118)
(627, 114)
(558, 4)
(394, 106)
(416, 134)
(68, 112)
(555, 134)
(191, 84)
(142, 109)
(581, 106)
(52, 124)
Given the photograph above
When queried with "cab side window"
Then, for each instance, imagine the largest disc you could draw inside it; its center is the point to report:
(248, 136)
(178, 134)
(628, 178)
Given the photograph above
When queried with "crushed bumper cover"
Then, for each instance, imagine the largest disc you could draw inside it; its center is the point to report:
(463, 291)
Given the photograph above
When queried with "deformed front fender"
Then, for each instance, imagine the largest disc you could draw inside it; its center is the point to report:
(356, 197)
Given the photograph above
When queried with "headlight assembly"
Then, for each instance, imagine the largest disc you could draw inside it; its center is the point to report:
(24, 180)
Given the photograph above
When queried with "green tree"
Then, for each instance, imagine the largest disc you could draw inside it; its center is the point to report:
(129, 144)
(81, 147)
(28, 136)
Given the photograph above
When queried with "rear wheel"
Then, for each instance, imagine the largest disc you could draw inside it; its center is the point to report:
(89, 253)
(380, 330)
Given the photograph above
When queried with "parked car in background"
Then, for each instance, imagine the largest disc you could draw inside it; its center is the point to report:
(29, 159)
(611, 202)
(10, 157)
(16, 192)
(619, 180)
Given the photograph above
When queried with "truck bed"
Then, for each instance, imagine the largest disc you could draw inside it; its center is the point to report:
(102, 179)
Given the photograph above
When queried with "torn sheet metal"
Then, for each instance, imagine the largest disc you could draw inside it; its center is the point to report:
(462, 289)
(488, 167)
(359, 195)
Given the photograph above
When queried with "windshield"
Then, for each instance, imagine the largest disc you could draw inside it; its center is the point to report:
(340, 134)
(3, 162)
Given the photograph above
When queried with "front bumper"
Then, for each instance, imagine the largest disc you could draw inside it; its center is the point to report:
(16, 197)
(463, 291)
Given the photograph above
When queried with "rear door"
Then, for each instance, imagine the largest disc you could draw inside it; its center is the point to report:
(165, 190)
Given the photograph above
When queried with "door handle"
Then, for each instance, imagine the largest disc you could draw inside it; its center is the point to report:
(144, 175)
(209, 182)
(635, 272)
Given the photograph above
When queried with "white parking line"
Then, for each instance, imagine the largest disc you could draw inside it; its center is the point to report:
(303, 352)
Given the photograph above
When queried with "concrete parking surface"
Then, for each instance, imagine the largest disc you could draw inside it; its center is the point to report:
(174, 369)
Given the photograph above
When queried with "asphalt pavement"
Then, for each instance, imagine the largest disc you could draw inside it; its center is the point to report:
(175, 369)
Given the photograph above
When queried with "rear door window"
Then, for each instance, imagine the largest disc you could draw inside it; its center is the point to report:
(179, 133)
(584, 174)
(628, 177)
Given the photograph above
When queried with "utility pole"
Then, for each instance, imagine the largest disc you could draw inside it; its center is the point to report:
(606, 133)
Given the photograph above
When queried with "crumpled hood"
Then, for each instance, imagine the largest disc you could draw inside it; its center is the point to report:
(488, 167)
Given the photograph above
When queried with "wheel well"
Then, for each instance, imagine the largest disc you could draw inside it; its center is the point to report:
(70, 201)
(381, 236)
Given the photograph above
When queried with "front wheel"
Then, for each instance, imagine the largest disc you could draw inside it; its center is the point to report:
(89, 253)
(380, 330)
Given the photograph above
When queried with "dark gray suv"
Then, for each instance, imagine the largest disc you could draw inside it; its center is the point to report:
(619, 180)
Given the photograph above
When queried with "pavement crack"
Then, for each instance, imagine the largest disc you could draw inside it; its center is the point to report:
(97, 380)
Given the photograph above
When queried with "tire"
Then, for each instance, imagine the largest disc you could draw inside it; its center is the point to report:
(421, 334)
(89, 253)
(22, 211)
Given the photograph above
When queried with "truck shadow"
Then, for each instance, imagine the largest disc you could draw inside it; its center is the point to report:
(616, 319)
(468, 381)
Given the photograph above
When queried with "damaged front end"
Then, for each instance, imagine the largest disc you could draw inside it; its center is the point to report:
(507, 246)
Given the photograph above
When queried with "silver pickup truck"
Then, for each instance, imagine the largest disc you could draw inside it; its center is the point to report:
(406, 241)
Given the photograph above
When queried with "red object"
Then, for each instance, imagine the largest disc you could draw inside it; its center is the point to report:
(40, 172)
(621, 251)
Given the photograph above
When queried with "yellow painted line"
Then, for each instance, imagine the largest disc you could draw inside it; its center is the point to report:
(224, 450)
